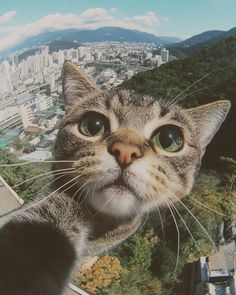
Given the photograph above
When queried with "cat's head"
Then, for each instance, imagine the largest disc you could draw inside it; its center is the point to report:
(131, 152)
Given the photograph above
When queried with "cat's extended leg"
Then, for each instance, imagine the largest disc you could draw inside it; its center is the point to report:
(35, 259)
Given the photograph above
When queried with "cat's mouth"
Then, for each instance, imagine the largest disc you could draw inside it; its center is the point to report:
(121, 185)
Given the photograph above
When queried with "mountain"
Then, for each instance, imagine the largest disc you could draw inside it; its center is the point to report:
(195, 43)
(200, 38)
(169, 40)
(97, 35)
(205, 76)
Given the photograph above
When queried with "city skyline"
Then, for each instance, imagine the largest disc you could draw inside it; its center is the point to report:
(30, 85)
(20, 20)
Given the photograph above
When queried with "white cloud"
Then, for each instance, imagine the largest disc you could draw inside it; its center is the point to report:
(96, 13)
(90, 19)
(149, 18)
(167, 19)
(113, 9)
(7, 17)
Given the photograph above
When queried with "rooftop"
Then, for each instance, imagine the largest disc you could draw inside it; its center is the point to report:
(10, 201)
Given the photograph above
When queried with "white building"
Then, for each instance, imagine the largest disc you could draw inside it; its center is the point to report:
(165, 55)
(109, 75)
(61, 57)
(43, 102)
(84, 52)
(149, 55)
(10, 118)
(27, 114)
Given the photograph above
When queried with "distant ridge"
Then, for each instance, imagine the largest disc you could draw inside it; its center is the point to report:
(103, 34)
(200, 38)
(195, 43)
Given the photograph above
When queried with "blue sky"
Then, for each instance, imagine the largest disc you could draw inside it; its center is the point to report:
(20, 19)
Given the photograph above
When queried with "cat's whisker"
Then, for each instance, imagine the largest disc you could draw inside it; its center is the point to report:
(175, 180)
(67, 188)
(94, 187)
(173, 101)
(76, 192)
(83, 187)
(43, 174)
(162, 225)
(30, 196)
(198, 222)
(200, 205)
(144, 222)
(83, 202)
(36, 162)
(47, 197)
(188, 94)
(190, 233)
(178, 237)
(164, 101)
(195, 218)
(59, 176)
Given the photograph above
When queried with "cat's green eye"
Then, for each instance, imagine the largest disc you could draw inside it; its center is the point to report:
(93, 124)
(169, 138)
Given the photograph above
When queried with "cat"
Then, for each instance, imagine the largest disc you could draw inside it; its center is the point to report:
(122, 155)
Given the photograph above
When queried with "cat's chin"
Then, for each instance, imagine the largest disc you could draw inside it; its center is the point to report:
(114, 200)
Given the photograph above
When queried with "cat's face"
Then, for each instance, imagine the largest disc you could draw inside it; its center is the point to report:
(131, 153)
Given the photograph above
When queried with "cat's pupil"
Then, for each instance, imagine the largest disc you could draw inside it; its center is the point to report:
(93, 124)
(169, 138)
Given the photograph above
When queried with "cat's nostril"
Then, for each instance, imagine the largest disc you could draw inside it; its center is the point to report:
(116, 153)
(134, 156)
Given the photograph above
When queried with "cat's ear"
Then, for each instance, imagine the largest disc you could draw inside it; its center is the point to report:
(76, 86)
(208, 119)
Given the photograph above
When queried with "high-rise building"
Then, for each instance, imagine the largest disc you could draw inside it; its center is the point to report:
(5, 86)
(27, 114)
(83, 52)
(61, 57)
(24, 69)
(7, 74)
(41, 103)
(74, 54)
(45, 55)
(14, 60)
(164, 55)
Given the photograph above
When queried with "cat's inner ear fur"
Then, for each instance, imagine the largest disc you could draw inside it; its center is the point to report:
(208, 119)
(76, 85)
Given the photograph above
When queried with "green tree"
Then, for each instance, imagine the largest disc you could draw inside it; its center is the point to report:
(25, 179)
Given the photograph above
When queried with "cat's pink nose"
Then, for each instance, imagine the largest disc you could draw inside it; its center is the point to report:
(125, 153)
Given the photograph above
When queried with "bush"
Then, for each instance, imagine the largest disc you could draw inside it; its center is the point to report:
(104, 271)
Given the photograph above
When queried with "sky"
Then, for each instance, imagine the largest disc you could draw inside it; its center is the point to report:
(21, 19)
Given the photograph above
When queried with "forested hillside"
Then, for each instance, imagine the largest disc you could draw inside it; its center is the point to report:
(200, 78)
